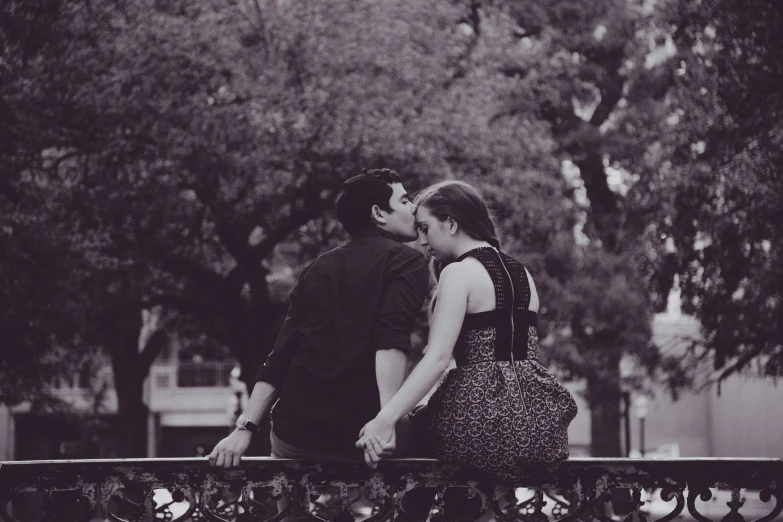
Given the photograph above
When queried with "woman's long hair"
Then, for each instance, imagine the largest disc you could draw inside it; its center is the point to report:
(464, 204)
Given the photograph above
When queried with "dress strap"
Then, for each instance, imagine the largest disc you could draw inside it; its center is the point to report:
(512, 290)
(473, 251)
(500, 266)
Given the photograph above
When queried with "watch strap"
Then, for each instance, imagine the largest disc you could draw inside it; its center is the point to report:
(244, 423)
(252, 427)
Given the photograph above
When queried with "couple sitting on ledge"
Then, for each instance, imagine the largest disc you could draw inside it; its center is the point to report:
(336, 376)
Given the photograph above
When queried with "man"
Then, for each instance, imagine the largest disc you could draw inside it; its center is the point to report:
(342, 350)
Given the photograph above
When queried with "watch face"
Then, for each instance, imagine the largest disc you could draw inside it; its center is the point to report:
(241, 421)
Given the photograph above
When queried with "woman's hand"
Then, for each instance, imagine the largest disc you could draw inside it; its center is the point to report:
(378, 440)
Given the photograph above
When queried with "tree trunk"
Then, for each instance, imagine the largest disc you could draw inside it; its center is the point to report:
(604, 395)
(131, 412)
(605, 219)
(129, 374)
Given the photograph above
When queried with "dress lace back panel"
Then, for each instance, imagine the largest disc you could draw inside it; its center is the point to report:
(479, 417)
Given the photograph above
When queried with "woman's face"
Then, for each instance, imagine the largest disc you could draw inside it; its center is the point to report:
(434, 235)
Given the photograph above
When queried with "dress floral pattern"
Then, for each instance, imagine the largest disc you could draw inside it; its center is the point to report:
(479, 417)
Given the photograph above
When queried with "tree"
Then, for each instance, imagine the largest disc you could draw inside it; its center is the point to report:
(584, 73)
(725, 189)
(213, 136)
(36, 309)
(195, 148)
(39, 274)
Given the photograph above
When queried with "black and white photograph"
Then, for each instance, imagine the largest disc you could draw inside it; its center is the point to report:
(391, 260)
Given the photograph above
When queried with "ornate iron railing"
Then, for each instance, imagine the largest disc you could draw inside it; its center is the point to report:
(265, 489)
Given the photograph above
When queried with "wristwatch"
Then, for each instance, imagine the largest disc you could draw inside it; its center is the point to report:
(243, 423)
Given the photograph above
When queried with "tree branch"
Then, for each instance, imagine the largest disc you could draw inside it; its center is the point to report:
(611, 93)
(152, 349)
(231, 240)
(738, 365)
(235, 280)
(211, 281)
(297, 219)
(179, 303)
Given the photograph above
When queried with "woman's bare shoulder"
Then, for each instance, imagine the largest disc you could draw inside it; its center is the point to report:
(473, 271)
(454, 272)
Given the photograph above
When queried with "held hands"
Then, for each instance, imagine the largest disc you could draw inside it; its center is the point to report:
(228, 452)
(378, 440)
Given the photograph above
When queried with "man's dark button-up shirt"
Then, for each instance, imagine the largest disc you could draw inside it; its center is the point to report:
(351, 301)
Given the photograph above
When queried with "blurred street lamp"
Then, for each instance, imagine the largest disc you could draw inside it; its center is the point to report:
(627, 421)
(642, 408)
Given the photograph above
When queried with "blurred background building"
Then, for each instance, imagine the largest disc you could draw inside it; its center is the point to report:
(193, 402)
(733, 419)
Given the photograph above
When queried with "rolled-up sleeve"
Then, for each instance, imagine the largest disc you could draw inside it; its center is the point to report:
(404, 293)
(277, 363)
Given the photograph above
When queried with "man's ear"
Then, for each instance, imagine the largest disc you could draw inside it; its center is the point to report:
(377, 215)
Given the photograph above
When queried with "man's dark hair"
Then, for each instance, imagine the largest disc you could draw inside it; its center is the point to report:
(358, 195)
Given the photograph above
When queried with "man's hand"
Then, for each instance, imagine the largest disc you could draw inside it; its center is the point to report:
(378, 440)
(376, 449)
(228, 452)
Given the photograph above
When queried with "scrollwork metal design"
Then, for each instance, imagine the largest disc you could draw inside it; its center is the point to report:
(339, 500)
(667, 494)
(528, 510)
(561, 508)
(577, 506)
(734, 505)
(701, 492)
(264, 511)
(636, 514)
(600, 499)
(765, 495)
(135, 510)
(267, 490)
(179, 495)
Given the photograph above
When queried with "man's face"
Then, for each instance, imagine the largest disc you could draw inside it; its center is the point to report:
(400, 221)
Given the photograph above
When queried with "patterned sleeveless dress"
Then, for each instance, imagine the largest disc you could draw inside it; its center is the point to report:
(478, 416)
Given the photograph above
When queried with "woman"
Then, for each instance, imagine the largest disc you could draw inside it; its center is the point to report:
(499, 408)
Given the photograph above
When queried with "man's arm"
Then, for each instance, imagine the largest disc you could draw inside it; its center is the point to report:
(269, 380)
(401, 303)
(389, 372)
(275, 368)
(261, 401)
(228, 452)
(444, 329)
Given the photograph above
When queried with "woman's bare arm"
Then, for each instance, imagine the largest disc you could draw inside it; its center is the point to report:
(445, 327)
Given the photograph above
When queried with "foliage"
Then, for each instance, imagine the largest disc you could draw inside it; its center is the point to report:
(187, 144)
(595, 92)
(725, 186)
(186, 156)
